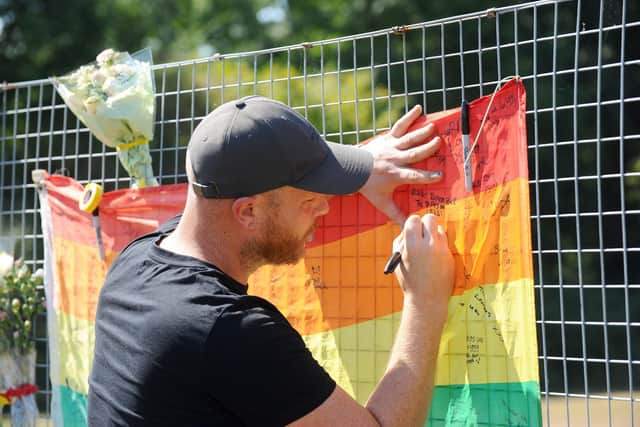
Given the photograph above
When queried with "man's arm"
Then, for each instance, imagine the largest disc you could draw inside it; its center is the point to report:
(403, 394)
(393, 153)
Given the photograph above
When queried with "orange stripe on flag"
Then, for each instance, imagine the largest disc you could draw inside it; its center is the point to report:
(342, 283)
(79, 277)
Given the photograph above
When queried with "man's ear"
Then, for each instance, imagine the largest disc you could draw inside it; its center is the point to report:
(244, 211)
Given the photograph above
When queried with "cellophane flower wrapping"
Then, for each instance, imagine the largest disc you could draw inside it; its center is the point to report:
(114, 97)
(17, 369)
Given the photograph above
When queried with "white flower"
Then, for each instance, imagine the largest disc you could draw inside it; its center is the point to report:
(116, 85)
(6, 264)
(91, 103)
(98, 77)
(38, 276)
(122, 70)
(105, 57)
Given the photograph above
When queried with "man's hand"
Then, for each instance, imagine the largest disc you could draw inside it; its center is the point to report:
(427, 270)
(392, 155)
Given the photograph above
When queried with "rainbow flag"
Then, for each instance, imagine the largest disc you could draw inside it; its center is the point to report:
(337, 297)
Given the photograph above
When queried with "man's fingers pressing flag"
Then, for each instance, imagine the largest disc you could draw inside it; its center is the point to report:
(401, 126)
(393, 153)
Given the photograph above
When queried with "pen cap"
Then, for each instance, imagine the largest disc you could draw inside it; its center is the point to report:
(464, 117)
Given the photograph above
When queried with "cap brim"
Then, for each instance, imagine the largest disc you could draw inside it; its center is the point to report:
(344, 170)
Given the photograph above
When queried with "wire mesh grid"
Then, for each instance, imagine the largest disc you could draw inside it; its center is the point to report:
(579, 63)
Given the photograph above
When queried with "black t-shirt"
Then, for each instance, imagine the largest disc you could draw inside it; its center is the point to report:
(180, 343)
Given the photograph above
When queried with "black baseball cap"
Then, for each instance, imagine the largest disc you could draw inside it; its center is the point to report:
(255, 144)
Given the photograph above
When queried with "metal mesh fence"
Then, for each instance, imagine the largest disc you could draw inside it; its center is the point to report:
(579, 62)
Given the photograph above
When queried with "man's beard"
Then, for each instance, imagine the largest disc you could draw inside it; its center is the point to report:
(276, 245)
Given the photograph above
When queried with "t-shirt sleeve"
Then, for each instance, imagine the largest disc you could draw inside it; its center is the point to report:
(261, 369)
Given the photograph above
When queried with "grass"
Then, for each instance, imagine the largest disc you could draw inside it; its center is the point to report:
(597, 414)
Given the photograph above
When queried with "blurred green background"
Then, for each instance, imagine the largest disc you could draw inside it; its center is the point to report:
(39, 38)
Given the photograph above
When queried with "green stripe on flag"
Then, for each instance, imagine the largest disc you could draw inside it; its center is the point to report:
(494, 404)
(74, 407)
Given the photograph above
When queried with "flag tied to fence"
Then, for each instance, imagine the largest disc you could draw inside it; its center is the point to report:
(337, 297)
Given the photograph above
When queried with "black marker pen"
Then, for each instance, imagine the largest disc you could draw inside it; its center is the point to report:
(464, 118)
(394, 260)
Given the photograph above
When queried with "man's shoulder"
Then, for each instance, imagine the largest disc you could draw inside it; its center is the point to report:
(250, 321)
(163, 229)
(254, 308)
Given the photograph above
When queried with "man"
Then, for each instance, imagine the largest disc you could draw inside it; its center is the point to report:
(178, 340)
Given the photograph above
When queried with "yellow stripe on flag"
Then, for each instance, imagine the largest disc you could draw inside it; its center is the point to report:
(356, 355)
(479, 343)
(490, 336)
(76, 340)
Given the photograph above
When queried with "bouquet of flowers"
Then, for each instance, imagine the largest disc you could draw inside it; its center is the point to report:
(20, 301)
(114, 98)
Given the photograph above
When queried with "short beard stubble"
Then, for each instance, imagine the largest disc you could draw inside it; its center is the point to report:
(276, 243)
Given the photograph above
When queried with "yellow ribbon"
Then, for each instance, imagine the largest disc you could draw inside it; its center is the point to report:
(134, 143)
